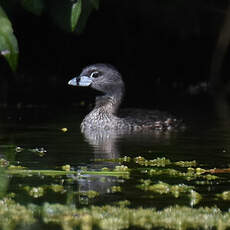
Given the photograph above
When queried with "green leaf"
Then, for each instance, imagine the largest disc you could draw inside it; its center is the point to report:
(8, 42)
(95, 4)
(34, 6)
(75, 14)
(86, 8)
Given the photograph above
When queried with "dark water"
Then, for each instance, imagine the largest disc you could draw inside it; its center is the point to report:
(206, 140)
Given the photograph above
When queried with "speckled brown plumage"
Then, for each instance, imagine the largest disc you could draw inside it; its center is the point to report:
(106, 114)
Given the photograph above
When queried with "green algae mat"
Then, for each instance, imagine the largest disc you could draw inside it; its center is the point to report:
(131, 193)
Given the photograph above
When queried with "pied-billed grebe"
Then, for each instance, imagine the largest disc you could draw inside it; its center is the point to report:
(105, 115)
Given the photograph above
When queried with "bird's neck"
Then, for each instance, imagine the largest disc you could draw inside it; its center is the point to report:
(110, 102)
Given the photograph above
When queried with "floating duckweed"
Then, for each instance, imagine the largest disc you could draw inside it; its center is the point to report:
(164, 188)
(11, 195)
(83, 168)
(126, 159)
(123, 203)
(161, 187)
(176, 190)
(35, 192)
(119, 171)
(191, 170)
(119, 160)
(66, 167)
(39, 151)
(121, 168)
(186, 163)
(57, 188)
(170, 172)
(139, 158)
(120, 216)
(28, 172)
(115, 189)
(116, 218)
(18, 149)
(14, 215)
(224, 195)
(191, 174)
(158, 162)
(87, 222)
(200, 171)
(153, 170)
(105, 169)
(39, 191)
(60, 214)
(4, 163)
(195, 197)
(16, 167)
(90, 194)
(64, 130)
(211, 177)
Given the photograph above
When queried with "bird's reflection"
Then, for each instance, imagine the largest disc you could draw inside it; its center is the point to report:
(105, 143)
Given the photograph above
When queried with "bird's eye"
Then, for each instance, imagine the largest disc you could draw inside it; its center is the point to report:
(95, 74)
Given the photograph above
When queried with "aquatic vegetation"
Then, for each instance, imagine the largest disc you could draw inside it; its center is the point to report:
(118, 160)
(64, 130)
(66, 167)
(35, 192)
(158, 162)
(90, 194)
(157, 178)
(14, 215)
(121, 168)
(157, 167)
(114, 189)
(191, 174)
(16, 167)
(119, 171)
(224, 195)
(114, 218)
(57, 188)
(164, 188)
(19, 149)
(195, 197)
(28, 172)
(176, 191)
(4, 162)
(122, 203)
(186, 164)
(39, 151)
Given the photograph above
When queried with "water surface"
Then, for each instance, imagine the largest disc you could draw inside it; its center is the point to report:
(206, 140)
